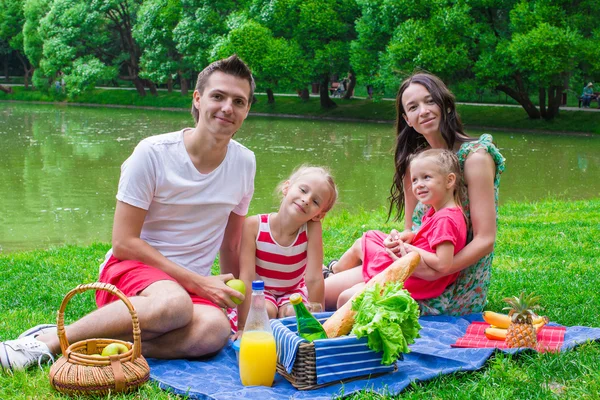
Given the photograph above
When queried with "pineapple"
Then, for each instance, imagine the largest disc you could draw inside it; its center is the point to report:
(521, 332)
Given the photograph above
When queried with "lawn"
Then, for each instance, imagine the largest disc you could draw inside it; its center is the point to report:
(550, 248)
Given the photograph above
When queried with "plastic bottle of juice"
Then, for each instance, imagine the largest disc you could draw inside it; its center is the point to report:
(308, 326)
(258, 355)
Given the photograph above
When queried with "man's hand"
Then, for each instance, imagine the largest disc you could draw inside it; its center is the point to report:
(213, 288)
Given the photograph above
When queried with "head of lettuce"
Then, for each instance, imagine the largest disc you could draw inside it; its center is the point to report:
(388, 317)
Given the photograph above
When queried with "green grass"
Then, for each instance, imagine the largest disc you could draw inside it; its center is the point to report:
(509, 118)
(550, 248)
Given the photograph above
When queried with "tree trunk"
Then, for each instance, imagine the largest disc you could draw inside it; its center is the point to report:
(170, 85)
(27, 67)
(270, 97)
(521, 96)
(184, 82)
(6, 89)
(6, 76)
(139, 85)
(326, 101)
(554, 98)
(542, 101)
(351, 85)
(304, 95)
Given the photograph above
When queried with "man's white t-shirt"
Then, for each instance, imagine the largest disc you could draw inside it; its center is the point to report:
(187, 210)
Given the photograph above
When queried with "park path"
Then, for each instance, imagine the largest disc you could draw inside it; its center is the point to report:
(359, 97)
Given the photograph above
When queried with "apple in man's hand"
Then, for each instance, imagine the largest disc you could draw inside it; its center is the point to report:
(239, 285)
(114, 348)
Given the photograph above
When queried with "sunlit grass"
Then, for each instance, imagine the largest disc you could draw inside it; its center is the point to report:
(549, 248)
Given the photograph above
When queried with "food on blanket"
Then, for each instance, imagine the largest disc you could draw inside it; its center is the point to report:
(495, 333)
(503, 320)
(239, 285)
(340, 323)
(520, 332)
(389, 318)
(114, 348)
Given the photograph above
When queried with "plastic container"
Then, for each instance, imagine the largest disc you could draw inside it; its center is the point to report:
(258, 354)
(236, 348)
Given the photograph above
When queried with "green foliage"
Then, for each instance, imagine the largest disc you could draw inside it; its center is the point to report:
(160, 60)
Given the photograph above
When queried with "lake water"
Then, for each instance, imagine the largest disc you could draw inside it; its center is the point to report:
(60, 165)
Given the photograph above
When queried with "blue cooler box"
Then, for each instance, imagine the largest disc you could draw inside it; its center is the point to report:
(323, 362)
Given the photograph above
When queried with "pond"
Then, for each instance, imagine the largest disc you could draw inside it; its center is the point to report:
(60, 165)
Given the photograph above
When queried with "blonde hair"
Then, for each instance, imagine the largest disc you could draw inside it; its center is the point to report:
(306, 169)
(447, 163)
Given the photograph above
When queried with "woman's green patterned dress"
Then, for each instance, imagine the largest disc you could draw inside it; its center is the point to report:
(468, 293)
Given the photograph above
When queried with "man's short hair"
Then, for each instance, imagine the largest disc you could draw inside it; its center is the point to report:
(232, 65)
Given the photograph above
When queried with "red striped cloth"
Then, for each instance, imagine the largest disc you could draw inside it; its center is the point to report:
(550, 338)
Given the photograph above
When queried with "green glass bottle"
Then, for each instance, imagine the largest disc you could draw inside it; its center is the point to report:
(308, 326)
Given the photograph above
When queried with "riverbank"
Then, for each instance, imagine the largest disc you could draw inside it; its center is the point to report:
(354, 110)
(549, 248)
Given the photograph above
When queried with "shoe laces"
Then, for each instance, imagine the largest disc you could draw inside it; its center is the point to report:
(33, 349)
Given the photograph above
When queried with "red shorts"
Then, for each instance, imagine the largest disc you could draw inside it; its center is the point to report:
(132, 277)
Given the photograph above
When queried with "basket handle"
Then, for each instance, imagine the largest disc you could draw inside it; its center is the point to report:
(107, 287)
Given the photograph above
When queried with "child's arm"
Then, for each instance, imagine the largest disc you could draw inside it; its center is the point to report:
(433, 265)
(439, 263)
(247, 267)
(314, 273)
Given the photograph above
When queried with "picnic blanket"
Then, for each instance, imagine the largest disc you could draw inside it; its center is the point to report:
(550, 338)
(431, 355)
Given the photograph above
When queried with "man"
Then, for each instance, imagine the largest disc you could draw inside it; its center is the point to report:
(586, 96)
(182, 197)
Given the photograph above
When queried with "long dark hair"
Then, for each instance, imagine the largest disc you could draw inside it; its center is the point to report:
(409, 141)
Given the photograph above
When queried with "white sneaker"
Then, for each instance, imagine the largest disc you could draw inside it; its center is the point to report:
(37, 330)
(22, 353)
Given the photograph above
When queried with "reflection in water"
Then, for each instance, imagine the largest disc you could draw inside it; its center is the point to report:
(60, 166)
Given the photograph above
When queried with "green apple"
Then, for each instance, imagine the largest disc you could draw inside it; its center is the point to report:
(114, 348)
(240, 286)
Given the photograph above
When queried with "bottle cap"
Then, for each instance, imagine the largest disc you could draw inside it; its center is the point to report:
(295, 299)
(258, 285)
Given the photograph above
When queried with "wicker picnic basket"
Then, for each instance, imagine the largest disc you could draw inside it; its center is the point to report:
(82, 370)
(304, 371)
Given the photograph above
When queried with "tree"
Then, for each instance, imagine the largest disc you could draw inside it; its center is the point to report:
(201, 25)
(33, 12)
(275, 62)
(322, 28)
(11, 32)
(534, 48)
(91, 41)
(160, 60)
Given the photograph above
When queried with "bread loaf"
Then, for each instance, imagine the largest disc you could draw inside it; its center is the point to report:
(340, 323)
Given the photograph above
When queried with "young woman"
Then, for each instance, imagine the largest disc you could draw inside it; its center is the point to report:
(427, 118)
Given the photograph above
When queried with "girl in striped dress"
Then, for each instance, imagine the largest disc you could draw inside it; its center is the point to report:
(285, 249)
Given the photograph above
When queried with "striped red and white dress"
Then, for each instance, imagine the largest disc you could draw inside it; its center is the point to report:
(282, 268)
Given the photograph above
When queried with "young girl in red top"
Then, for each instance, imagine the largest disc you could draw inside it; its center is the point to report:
(436, 182)
(285, 249)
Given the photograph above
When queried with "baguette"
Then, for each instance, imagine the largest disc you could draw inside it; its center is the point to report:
(340, 323)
